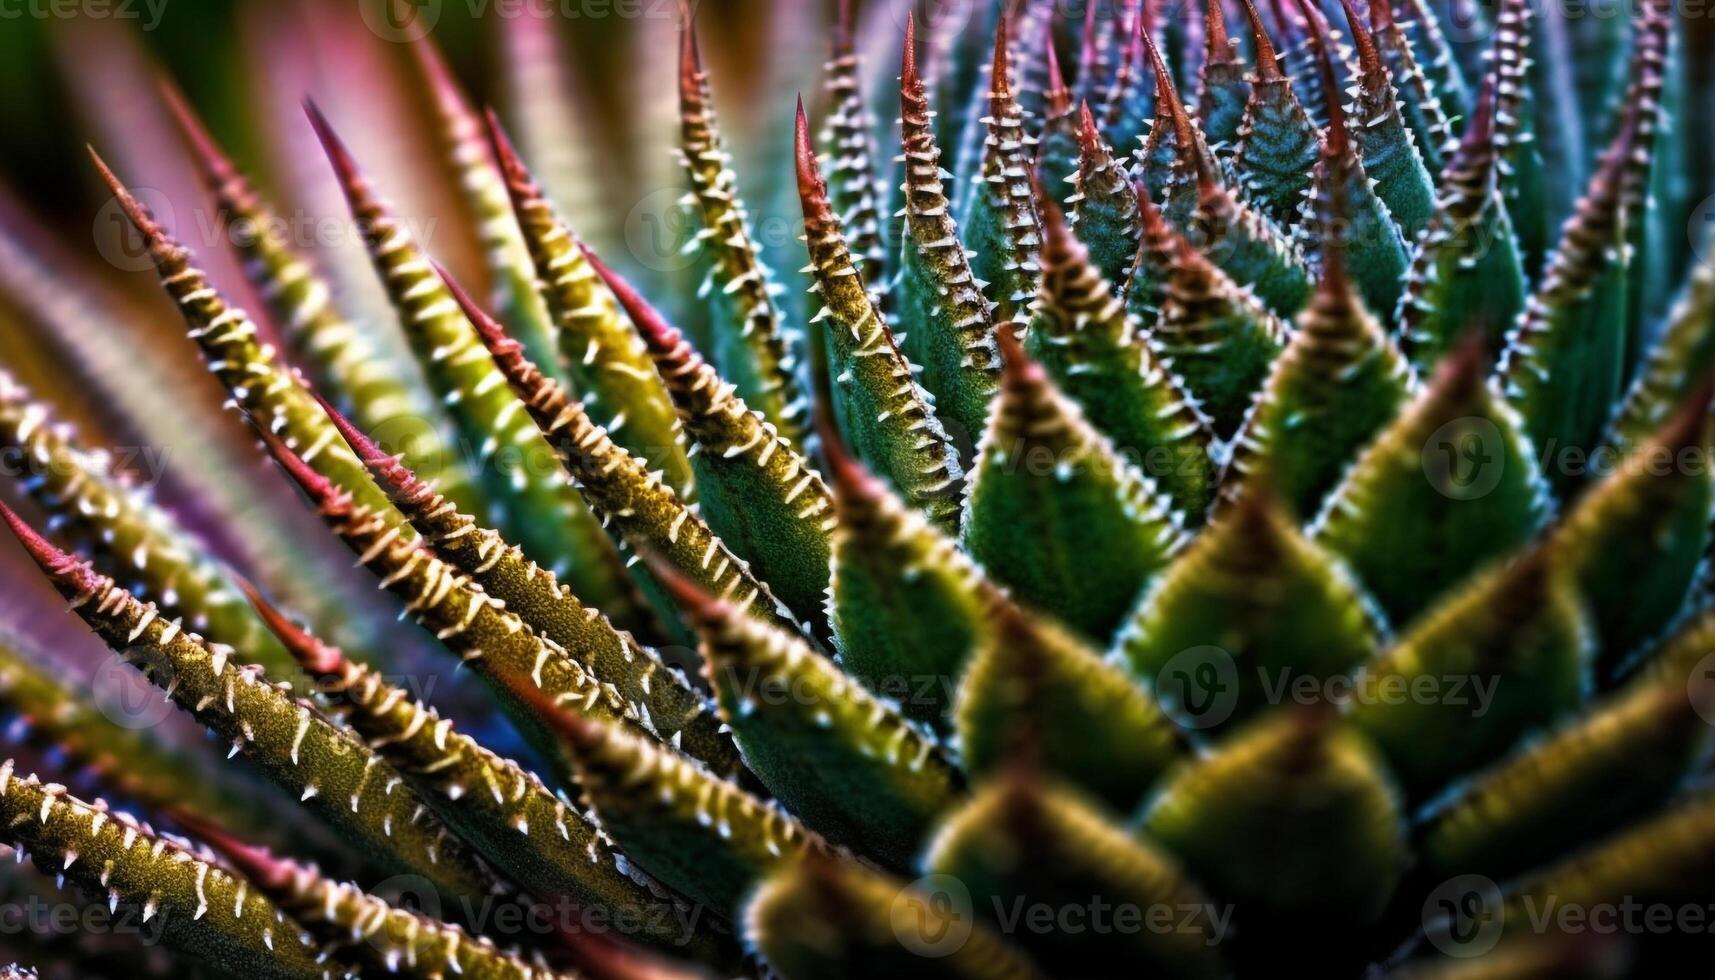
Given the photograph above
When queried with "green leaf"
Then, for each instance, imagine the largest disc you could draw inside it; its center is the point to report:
(1621, 758)
(1448, 486)
(1175, 147)
(1223, 89)
(336, 778)
(1105, 203)
(252, 372)
(526, 496)
(749, 343)
(1278, 142)
(1248, 246)
(1260, 602)
(527, 831)
(1000, 224)
(755, 490)
(1563, 367)
(1635, 541)
(204, 911)
(1419, 101)
(1098, 354)
(601, 351)
(698, 834)
(951, 330)
(854, 179)
(1466, 274)
(1683, 358)
(1422, 30)
(1049, 491)
(1506, 656)
(466, 148)
(1294, 819)
(828, 920)
(54, 716)
(345, 363)
(1661, 862)
(661, 695)
(906, 605)
(1385, 143)
(1035, 691)
(1524, 180)
(1213, 334)
(1131, 103)
(1057, 141)
(1341, 185)
(122, 531)
(619, 487)
(885, 414)
(1023, 844)
(362, 928)
(1339, 381)
(845, 763)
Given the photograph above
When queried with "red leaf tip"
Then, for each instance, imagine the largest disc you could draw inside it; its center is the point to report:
(312, 654)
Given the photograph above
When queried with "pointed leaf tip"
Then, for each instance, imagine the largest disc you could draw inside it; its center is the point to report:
(998, 68)
(215, 165)
(1267, 63)
(908, 57)
(360, 443)
(494, 336)
(250, 860)
(318, 488)
(45, 553)
(317, 658)
(133, 208)
(1018, 371)
(345, 167)
(1215, 24)
(505, 154)
(656, 331)
(1369, 59)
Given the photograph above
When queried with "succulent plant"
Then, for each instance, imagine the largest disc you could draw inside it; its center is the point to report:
(1228, 488)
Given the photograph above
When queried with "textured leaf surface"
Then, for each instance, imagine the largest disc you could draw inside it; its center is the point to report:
(1505, 657)
(1449, 485)
(1253, 596)
(827, 921)
(1292, 818)
(1048, 491)
(203, 909)
(1022, 843)
(1037, 692)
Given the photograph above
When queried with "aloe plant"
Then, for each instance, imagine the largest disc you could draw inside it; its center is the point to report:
(1238, 511)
